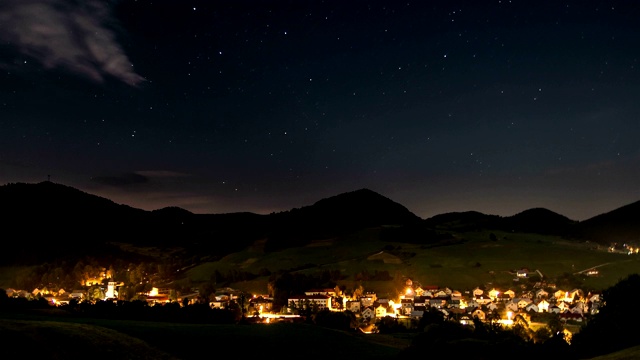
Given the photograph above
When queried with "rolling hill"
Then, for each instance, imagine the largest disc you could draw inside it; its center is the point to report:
(43, 217)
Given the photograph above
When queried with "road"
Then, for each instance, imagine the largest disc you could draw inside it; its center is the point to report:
(597, 266)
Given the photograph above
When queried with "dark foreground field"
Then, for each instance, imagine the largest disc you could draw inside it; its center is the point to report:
(61, 337)
(64, 338)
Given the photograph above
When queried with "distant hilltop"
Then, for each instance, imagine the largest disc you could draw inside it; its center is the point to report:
(44, 216)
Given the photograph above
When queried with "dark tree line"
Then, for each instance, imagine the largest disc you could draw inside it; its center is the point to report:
(72, 275)
(283, 286)
(482, 340)
(608, 331)
(612, 328)
(199, 312)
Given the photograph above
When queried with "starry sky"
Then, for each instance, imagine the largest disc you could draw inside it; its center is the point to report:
(264, 106)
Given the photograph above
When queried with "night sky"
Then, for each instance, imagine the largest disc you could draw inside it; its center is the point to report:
(264, 106)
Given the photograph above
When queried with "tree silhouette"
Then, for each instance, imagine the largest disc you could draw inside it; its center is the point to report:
(608, 330)
(4, 298)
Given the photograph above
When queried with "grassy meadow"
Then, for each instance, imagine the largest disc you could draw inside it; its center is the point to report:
(476, 261)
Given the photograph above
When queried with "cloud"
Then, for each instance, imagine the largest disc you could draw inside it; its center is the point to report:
(148, 178)
(121, 181)
(78, 36)
(162, 174)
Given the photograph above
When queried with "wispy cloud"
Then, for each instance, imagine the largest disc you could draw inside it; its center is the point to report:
(151, 178)
(78, 36)
(123, 180)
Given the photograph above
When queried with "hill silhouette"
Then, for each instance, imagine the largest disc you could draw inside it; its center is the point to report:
(335, 216)
(539, 220)
(464, 221)
(621, 225)
(45, 218)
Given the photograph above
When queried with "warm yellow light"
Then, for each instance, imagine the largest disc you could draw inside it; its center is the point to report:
(408, 291)
(509, 315)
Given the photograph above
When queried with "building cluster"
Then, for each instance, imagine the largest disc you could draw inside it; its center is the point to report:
(412, 303)
(483, 304)
(60, 296)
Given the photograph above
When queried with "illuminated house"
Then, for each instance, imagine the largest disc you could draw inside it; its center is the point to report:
(559, 294)
(478, 313)
(438, 303)
(408, 293)
(522, 273)
(555, 309)
(512, 306)
(218, 304)
(261, 304)
(155, 297)
(421, 301)
(575, 294)
(368, 313)
(77, 294)
(482, 299)
(327, 291)
(472, 304)
(567, 296)
(562, 306)
(441, 294)
(406, 306)
(111, 290)
(533, 307)
(353, 306)
(417, 313)
(493, 294)
(594, 297)
(524, 302)
(541, 293)
(543, 306)
(368, 299)
(305, 301)
(491, 307)
(382, 311)
(568, 315)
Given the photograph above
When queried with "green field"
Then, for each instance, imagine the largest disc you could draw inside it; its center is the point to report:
(478, 261)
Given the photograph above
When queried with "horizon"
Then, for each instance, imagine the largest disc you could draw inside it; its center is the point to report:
(313, 202)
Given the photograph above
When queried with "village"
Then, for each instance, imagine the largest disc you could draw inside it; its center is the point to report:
(501, 306)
